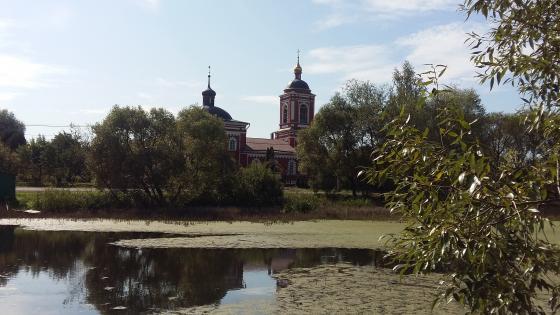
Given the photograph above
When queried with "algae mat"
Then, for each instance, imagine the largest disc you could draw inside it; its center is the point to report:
(237, 234)
(342, 289)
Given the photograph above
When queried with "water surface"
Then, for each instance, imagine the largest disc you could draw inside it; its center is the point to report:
(81, 273)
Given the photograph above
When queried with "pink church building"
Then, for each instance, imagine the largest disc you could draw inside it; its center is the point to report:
(296, 111)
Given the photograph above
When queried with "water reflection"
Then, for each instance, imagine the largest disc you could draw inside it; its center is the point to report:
(80, 272)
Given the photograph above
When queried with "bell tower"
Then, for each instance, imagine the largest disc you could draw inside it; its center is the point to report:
(297, 107)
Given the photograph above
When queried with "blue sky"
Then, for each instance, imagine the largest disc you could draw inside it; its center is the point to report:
(65, 62)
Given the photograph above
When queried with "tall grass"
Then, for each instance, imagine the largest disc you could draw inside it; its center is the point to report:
(60, 200)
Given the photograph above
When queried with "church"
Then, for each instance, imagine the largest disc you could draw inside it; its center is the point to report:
(296, 111)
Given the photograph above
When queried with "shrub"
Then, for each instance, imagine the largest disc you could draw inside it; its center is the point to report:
(52, 200)
(258, 186)
(301, 203)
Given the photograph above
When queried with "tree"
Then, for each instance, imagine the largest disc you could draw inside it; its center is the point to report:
(65, 156)
(335, 147)
(208, 168)
(33, 155)
(479, 221)
(137, 150)
(12, 131)
(406, 91)
(9, 162)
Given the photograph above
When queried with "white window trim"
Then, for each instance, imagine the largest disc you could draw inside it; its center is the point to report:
(234, 141)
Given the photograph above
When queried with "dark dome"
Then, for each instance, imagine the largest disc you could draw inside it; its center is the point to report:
(298, 84)
(208, 92)
(218, 112)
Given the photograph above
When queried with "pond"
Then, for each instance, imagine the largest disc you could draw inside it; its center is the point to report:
(82, 273)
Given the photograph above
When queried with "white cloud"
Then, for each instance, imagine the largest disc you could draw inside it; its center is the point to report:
(6, 24)
(443, 44)
(8, 96)
(347, 12)
(262, 99)
(400, 7)
(365, 62)
(19, 72)
(333, 21)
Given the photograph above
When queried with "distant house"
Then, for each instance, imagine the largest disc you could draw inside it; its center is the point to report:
(296, 111)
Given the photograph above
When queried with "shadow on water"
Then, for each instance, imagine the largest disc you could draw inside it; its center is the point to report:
(100, 277)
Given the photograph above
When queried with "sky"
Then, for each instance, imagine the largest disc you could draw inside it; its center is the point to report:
(68, 62)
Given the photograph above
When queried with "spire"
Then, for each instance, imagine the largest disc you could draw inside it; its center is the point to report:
(208, 95)
(297, 69)
(210, 75)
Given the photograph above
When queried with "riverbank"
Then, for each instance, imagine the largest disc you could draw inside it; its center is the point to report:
(296, 205)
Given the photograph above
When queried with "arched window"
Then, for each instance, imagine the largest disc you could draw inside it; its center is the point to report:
(285, 114)
(303, 114)
(232, 144)
(291, 167)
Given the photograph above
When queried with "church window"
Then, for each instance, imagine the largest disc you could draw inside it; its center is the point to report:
(291, 167)
(285, 114)
(232, 144)
(303, 113)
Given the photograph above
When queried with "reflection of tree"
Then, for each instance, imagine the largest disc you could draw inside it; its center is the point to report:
(8, 267)
(36, 252)
(161, 278)
(141, 280)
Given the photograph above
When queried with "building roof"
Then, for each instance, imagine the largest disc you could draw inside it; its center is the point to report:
(260, 144)
(298, 84)
(218, 112)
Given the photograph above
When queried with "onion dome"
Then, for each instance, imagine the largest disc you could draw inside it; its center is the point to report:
(297, 83)
(208, 97)
(218, 112)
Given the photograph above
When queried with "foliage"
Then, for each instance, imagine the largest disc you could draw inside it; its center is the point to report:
(504, 139)
(342, 133)
(9, 162)
(208, 168)
(258, 186)
(33, 155)
(171, 161)
(12, 131)
(340, 139)
(476, 218)
(66, 157)
(58, 200)
(301, 203)
(58, 162)
(135, 149)
(521, 47)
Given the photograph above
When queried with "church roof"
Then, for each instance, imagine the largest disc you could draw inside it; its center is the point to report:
(298, 84)
(260, 144)
(208, 97)
(218, 112)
